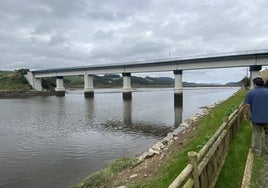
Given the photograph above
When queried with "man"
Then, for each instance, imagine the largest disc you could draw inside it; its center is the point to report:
(256, 102)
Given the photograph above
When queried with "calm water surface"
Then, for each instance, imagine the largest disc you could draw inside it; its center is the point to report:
(55, 142)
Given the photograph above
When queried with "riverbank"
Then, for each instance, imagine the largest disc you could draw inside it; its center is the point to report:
(160, 165)
(24, 94)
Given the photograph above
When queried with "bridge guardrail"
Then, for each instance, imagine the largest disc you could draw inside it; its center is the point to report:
(204, 167)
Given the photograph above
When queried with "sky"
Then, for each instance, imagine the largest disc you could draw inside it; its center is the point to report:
(43, 34)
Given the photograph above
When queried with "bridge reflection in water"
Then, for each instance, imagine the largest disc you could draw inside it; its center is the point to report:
(129, 125)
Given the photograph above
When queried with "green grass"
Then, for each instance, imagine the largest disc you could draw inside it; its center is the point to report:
(11, 81)
(233, 169)
(99, 179)
(5, 73)
(259, 170)
(256, 170)
(176, 163)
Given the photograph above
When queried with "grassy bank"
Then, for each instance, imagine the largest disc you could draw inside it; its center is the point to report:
(169, 168)
(233, 169)
(12, 81)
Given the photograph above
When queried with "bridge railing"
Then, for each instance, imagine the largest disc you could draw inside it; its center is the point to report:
(204, 167)
(210, 55)
(160, 60)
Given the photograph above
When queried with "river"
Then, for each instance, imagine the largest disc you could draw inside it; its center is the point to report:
(56, 141)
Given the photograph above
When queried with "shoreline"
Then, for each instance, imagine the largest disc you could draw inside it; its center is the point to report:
(152, 156)
(7, 94)
(146, 164)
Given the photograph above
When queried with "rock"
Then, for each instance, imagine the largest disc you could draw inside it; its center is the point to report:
(154, 151)
(177, 131)
(164, 142)
(158, 146)
(169, 137)
(146, 155)
(133, 176)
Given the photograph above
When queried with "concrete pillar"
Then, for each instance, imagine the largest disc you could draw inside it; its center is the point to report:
(89, 88)
(254, 72)
(60, 90)
(127, 90)
(36, 83)
(178, 90)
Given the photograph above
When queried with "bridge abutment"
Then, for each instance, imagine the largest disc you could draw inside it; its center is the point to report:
(178, 90)
(127, 90)
(60, 90)
(254, 72)
(36, 83)
(89, 88)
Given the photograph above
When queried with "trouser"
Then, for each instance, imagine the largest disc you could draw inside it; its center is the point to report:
(256, 142)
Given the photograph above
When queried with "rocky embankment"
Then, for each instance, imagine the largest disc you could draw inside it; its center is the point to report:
(24, 94)
(183, 128)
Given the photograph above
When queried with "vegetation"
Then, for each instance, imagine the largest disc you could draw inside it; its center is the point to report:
(257, 172)
(169, 168)
(13, 81)
(236, 159)
(97, 179)
(260, 170)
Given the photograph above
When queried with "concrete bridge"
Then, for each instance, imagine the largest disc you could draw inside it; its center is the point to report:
(253, 59)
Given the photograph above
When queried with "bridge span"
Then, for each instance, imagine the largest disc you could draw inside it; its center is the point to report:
(253, 59)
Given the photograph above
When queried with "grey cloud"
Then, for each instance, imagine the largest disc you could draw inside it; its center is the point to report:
(54, 33)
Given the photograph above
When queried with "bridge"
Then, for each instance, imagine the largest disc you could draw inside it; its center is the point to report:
(254, 59)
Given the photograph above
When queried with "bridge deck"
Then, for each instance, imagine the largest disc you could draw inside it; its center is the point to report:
(220, 60)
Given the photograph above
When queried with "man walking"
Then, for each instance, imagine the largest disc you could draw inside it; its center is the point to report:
(256, 102)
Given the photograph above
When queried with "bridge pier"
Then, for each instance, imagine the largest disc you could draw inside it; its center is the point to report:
(89, 88)
(60, 90)
(254, 72)
(178, 90)
(127, 90)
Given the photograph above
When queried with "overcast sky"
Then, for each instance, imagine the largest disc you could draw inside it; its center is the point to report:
(42, 34)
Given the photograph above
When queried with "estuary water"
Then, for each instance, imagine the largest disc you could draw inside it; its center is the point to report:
(54, 142)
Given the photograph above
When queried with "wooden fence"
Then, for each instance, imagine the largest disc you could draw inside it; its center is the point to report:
(204, 167)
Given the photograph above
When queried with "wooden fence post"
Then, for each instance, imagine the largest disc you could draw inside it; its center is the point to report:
(192, 155)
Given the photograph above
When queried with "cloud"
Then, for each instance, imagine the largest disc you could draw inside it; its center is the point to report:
(38, 34)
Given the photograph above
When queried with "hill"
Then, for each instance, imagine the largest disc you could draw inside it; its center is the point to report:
(13, 81)
(112, 80)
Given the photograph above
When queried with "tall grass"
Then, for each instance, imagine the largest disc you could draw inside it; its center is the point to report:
(12, 81)
(233, 169)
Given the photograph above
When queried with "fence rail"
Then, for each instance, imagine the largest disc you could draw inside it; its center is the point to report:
(204, 167)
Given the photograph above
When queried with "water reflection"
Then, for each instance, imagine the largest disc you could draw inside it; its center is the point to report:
(178, 115)
(147, 129)
(127, 113)
(55, 142)
(89, 108)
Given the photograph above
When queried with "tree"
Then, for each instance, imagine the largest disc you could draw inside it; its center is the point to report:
(22, 71)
